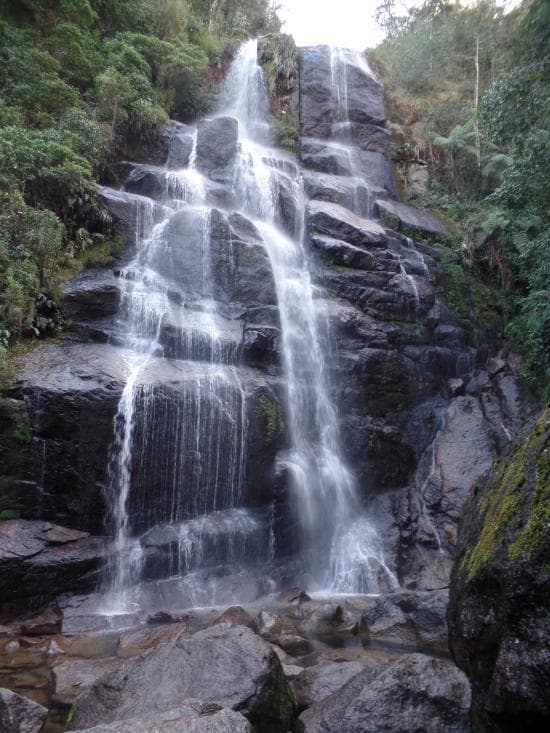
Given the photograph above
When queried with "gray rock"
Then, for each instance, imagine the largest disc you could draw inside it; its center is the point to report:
(340, 223)
(217, 143)
(133, 215)
(400, 216)
(230, 666)
(18, 714)
(317, 682)
(341, 190)
(180, 149)
(364, 94)
(193, 716)
(146, 180)
(90, 295)
(324, 157)
(73, 676)
(419, 177)
(414, 693)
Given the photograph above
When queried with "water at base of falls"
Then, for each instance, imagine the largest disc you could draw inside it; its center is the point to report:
(177, 469)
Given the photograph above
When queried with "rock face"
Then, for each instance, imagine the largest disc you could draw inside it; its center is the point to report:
(230, 666)
(414, 693)
(19, 714)
(500, 589)
(411, 383)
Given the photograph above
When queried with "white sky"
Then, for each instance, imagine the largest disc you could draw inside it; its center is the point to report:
(348, 23)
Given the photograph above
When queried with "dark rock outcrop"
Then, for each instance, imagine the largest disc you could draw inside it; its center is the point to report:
(217, 142)
(499, 627)
(414, 693)
(232, 667)
(410, 220)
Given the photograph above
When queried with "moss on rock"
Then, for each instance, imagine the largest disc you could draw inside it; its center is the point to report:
(278, 57)
(515, 504)
(271, 418)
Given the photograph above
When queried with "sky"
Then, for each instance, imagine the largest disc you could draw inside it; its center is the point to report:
(348, 23)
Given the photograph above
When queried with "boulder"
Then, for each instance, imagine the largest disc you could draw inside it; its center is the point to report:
(342, 254)
(132, 214)
(33, 567)
(217, 144)
(73, 676)
(499, 626)
(414, 693)
(321, 680)
(90, 295)
(18, 714)
(147, 180)
(194, 716)
(408, 219)
(339, 223)
(179, 152)
(230, 666)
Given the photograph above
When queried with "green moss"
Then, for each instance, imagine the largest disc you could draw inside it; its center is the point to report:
(278, 57)
(271, 418)
(516, 500)
(9, 514)
(21, 427)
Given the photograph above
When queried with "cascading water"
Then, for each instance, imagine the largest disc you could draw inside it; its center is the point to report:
(343, 552)
(177, 466)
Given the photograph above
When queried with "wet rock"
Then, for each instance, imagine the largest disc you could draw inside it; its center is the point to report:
(318, 108)
(416, 692)
(293, 644)
(230, 666)
(294, 595)
(133, 215)
(73, 676)
(343, 254)
(325, 157)
(166, 617)
(181, 146)
(235, 616)
(326, 618)
(456, 386)
(44, 624)
(271, 626)
(18, 714)
(133, 643)
(417, 619)
(499, 627)
(343, 190)
(32, 566)
(217, 142)
(146, 180)
(92, 294)
(335, 221)
(261, 345)
(194, 716)
(317, 682)
(494, 366)
(402, 217)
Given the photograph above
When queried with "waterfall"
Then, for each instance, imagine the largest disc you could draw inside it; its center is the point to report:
(177, 468)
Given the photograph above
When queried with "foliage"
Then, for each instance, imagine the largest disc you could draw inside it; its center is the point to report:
(81, 83)
(469, 90)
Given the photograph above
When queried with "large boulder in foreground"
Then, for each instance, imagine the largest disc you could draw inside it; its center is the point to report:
(18, 714)
(232, 667)
(414, 693)
(195, 716)
(499, 620)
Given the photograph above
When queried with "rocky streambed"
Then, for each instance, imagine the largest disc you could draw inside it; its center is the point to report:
(360, 663)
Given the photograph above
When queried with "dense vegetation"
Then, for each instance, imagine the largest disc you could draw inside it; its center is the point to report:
(81, 81)
(469, 98)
